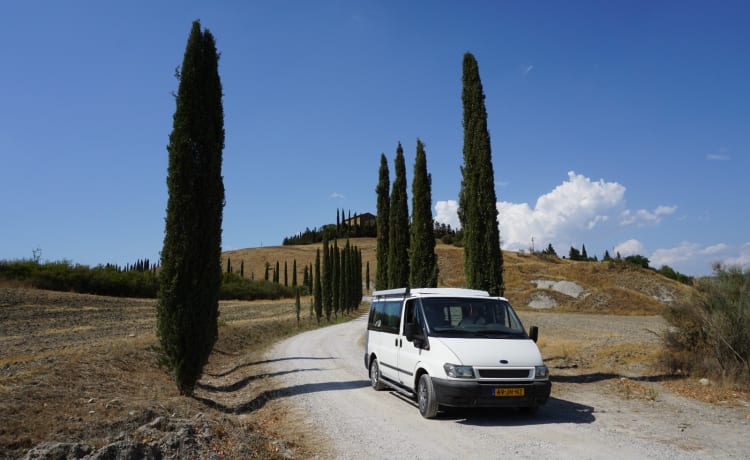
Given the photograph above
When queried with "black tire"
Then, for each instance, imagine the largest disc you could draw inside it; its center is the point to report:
(428, 405)
(375, 381)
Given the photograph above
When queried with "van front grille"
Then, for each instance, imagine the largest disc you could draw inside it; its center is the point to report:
(504, 373)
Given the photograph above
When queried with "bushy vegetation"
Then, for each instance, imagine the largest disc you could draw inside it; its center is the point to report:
(114, 281)
(711, 334)
(234, 286)
(65, 276)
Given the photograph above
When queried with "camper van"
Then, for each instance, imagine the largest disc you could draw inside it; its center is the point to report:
(447, 347)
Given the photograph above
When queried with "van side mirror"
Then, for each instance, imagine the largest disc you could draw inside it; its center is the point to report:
(534, 333)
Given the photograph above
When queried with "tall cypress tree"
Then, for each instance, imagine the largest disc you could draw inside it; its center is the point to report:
(336, 283)
(422, 258)
(383, 210)
(327, 285)
(483, 259)
(318, 288)
(187, 309)
(398, 226)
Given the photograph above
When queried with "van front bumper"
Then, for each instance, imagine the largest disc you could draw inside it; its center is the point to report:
(456, 393)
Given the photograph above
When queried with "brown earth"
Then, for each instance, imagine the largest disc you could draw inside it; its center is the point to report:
(83, 370)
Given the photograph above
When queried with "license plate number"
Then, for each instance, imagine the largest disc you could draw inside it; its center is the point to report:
(509, 392)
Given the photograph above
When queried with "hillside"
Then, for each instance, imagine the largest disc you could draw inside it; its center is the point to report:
(531, 281)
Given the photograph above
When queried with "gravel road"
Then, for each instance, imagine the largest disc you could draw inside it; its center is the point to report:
(324, 375)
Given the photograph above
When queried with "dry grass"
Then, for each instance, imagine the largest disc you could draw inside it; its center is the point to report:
(609, 288)
(56, 387)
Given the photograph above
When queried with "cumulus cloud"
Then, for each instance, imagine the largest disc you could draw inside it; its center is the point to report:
(578, 204)
(446, 212)
(628, 248)
(575, 205)
(574, 211)
(337, 196)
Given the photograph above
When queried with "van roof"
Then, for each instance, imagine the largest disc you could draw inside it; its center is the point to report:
(423, 292)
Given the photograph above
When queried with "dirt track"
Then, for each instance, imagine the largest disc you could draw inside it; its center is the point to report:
(592, 413)
(80, 368)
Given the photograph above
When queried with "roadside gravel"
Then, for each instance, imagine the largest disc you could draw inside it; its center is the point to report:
(591, 414)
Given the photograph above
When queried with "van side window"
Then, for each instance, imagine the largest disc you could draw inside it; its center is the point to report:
(385, 316)
(413, 314)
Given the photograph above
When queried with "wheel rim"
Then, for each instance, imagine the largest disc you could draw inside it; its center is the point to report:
(374, 371)
(422, 397)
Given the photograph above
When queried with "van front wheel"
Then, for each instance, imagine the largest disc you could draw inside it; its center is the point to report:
(377, 385)
(428, 405)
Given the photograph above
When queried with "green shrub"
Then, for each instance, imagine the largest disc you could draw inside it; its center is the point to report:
(711, 334)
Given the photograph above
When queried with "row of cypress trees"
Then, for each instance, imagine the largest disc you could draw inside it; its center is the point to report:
(405, 249)
(337, 284)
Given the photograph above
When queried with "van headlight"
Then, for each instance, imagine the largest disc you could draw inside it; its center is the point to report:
(458, 372)
(541, 372)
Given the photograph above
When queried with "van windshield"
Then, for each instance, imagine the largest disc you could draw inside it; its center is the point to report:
(471, 317)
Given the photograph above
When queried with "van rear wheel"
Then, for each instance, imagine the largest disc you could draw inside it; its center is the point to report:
(428, 405)
(375, 381)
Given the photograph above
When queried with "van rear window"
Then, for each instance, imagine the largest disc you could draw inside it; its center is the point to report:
(385, 316)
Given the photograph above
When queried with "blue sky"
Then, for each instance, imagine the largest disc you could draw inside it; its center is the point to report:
(621, 126)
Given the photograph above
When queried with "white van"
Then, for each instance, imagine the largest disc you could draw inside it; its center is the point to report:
(454, 348)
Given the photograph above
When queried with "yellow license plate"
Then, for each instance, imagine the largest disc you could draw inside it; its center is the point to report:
(509, 392)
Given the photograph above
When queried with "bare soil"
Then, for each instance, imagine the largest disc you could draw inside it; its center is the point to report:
(82, 371)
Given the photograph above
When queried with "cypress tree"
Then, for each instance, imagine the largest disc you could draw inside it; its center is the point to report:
(318, 290)
(336, 279)
(422, 258)
(297, 305)
(294, 273)
(483, 259)
(398, 226)
(327, 272)
(187, 309)
(383, 210)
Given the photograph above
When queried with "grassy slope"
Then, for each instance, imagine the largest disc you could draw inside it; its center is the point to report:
(608, 287)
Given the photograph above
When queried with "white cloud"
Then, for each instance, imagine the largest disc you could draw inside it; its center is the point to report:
(337, 196)
(723, 155)
(574, 211)
(643, 217)
(528, 69)
(628, 248)
(446, 212)
(578, 204)
(740, 260)
(693, 258)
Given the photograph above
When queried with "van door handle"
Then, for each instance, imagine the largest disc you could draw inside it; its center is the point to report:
(398, 342)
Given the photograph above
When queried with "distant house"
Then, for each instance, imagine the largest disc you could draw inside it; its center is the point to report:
(361, 219)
